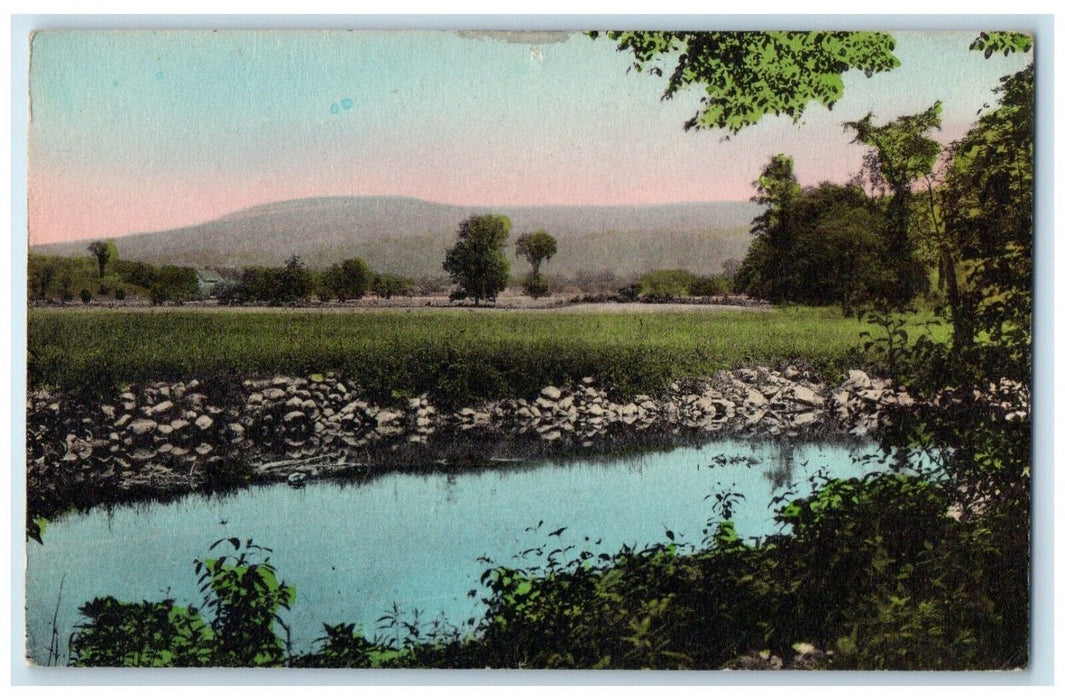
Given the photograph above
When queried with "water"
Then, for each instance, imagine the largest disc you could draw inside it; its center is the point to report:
(413, 539)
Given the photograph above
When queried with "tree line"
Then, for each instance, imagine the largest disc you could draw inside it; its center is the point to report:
(915, 222)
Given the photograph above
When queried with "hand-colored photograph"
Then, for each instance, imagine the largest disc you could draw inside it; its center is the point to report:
(427, 349)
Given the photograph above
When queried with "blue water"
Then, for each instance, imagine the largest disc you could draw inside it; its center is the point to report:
(352, 551)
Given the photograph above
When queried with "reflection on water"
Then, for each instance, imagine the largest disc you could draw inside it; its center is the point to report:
(414, 539)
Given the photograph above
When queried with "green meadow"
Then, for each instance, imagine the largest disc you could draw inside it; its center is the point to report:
(454, 355)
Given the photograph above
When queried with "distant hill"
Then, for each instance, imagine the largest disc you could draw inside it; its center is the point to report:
(409, 236)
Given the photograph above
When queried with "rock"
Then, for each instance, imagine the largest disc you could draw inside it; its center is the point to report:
(236, 428)
(857, 379)
(161, 407)
(142, 426)
(552, 436)
(805, 395)
(756, 398)
(385, 417)
(805, 418)
(551, 393)
(273, 394)
(293, 416)
(195, 400)
(123, 420)
(587, 381)
(204, 422)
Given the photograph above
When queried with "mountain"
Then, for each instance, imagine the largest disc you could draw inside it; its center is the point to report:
(409, 236)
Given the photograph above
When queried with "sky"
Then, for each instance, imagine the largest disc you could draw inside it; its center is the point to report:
(135, 131)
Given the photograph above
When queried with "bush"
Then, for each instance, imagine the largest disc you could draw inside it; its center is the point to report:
(86, 296)
(241, 592)
(666, 284)
(536, 285)
(120, 293)
(712, 286)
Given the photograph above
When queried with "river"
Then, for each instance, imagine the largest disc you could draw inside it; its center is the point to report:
(352, 550)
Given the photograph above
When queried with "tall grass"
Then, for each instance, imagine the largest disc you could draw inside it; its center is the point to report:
(454, 355)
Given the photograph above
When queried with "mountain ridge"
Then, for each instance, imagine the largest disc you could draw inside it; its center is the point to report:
(409, 235)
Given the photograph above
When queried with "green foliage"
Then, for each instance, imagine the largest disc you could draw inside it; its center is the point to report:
(241, 592)
(536, 285)
(536, 247)
(901, 154)
(387, 285)
(1002, 42)
(104, 252)
(476, 262)
(770, 257)
(274, 285)
(85, 295)
(710, 286)
(146, 634)
(350, 279)
(747, 75)
(666, 283)
(173, 283)
(821, 245)
(54, 278)
(988, 205)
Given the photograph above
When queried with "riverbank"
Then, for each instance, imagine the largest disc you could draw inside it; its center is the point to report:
(168, 438)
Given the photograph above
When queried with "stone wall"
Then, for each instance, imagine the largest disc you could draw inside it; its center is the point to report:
(170, 437)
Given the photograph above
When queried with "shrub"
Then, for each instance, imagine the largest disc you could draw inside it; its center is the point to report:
(665, 284)
(536, 285)
(86, 296)
(241, 592)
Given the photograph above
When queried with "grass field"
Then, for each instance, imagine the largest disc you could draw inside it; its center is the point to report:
(455, 356)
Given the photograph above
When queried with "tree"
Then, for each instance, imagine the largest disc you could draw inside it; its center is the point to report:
(826, 249)
(350, 279)
(296, 281)
(386, 285)
(747, 75)
(777, 188)
(104, 252)
(988, 205)
(536, 247)
(476, 262)
(901, 154)
(40, 272)
(173, 283)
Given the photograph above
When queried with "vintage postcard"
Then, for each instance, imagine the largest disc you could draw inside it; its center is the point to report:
(690, 350)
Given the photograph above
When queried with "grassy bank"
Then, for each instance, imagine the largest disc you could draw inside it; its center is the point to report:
(454, 355)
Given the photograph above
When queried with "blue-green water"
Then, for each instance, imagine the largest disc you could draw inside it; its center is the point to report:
(413, 539)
